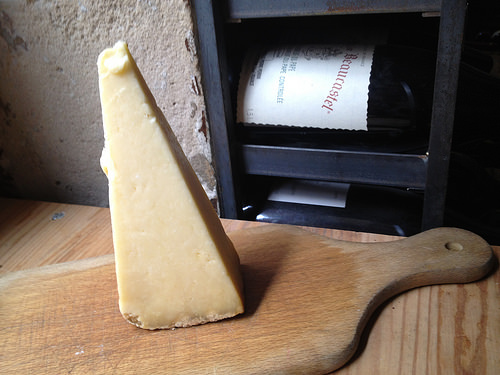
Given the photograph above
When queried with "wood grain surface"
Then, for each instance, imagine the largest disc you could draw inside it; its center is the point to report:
(69, 321)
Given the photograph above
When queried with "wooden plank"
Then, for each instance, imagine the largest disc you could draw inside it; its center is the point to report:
(34, 234)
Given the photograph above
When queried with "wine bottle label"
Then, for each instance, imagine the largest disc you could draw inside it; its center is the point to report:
(322, 86)
(317, 193)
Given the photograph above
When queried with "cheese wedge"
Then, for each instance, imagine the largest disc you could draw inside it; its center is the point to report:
(175, 266)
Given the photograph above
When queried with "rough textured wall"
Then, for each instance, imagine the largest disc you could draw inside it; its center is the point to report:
(50, 116)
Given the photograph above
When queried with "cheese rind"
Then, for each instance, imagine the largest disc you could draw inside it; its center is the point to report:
(175, 266)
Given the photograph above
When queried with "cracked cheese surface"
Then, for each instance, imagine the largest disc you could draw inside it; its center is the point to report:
(175, 266)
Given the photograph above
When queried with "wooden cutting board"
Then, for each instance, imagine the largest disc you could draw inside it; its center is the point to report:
(308, 298)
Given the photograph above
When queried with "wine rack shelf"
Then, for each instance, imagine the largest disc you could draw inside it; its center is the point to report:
(233, 159)
(288, 8)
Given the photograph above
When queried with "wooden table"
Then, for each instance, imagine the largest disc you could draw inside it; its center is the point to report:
(445, 329)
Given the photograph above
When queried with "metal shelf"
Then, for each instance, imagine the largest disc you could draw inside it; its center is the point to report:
(399, 170)
(232, 159)
(239, 9)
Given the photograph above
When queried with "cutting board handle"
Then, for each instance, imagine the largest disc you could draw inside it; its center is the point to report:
(438, 256)
(338, 284)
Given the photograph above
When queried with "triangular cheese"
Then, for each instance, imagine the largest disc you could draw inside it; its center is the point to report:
(175, 266)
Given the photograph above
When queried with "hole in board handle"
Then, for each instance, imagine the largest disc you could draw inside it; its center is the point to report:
(454, 246)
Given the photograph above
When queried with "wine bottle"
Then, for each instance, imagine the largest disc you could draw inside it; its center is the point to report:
(379, 209)
(401, 88)
(315, 81)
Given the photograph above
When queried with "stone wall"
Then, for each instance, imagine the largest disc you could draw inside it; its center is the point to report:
(50, 117)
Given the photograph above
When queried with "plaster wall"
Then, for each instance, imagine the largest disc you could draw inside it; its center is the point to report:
(50, 116)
